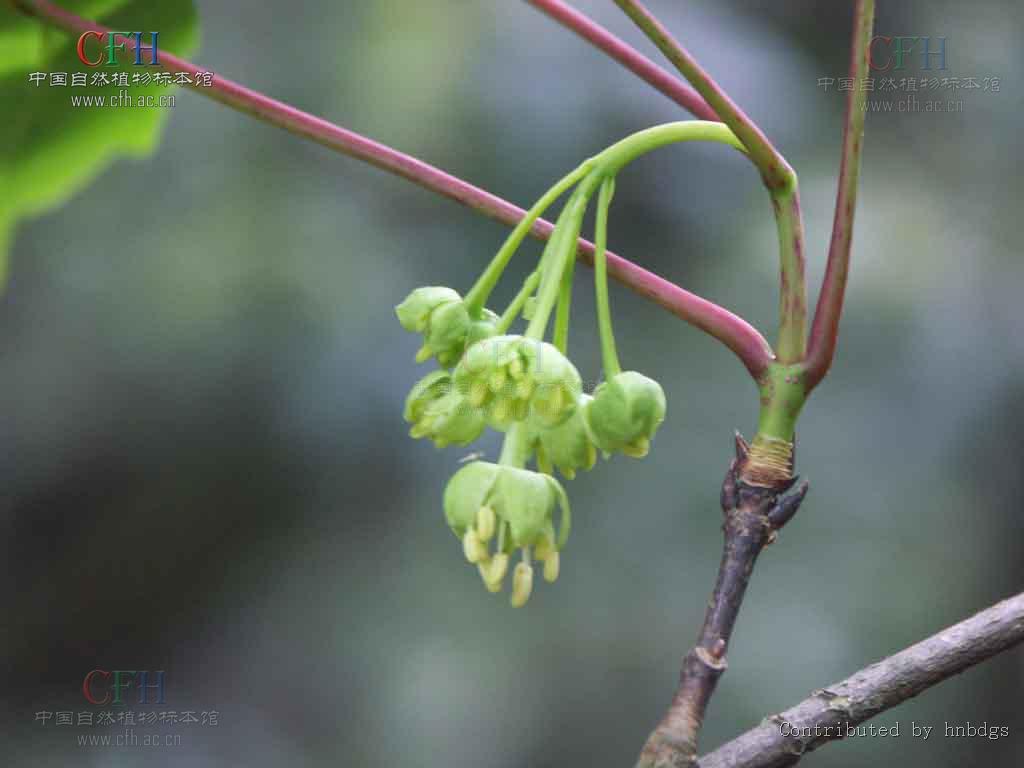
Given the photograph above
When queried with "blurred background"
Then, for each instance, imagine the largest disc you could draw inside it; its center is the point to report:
(206, 471)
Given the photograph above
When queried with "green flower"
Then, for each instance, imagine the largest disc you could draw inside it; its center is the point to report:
(625, 413)
(414, 313)
(446, 334)
(508, 508)
(442, 317)
(567, 446)
(513, 378)
(437, 411)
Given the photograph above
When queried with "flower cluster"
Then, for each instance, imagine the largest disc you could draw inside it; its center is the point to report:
(527, 388)
(512, 378)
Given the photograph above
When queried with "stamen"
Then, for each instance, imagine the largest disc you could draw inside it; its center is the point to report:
(486, 523)
(473, 548)
(552, 564)
(493, 572)
(543, 548)
(522, 584)
(638, 448)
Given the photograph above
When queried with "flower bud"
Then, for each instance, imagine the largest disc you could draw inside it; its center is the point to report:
(442, 317)
(427, 390)
(483, 328)
(438, 412)
(625, 413)
(568, 446)
(414, 313)
(445, 337)
(557, 386)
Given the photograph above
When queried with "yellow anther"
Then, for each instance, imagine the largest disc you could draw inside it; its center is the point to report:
(493, 572)
(551, 566)
(424, 354)
(491, 586)
(543, 548)
(473, 548)
(515, 368)
(550, 402)
(638, 448)
(486, 523)
(524, 388)
(522, 584)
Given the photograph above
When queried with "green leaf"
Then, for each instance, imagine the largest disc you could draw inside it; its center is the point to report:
(50, 149)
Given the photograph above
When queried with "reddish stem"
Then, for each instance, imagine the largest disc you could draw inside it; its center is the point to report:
(733, 331)
(778, 176)
(825, 329)
(629, 57)
(773, 166)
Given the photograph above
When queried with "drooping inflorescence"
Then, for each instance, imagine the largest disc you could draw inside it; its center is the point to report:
(526, 386)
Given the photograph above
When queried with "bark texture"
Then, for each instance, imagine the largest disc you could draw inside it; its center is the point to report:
(753, 516)
(825, 716)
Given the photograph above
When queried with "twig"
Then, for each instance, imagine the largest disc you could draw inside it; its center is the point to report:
(778, 176)
(753, 516)
(773, 166)
(734, 332)
(627, 56)
(825, 329)
(827, 714)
